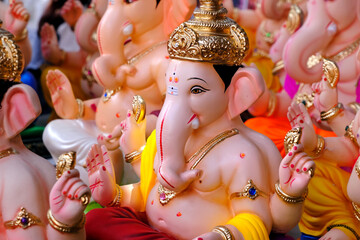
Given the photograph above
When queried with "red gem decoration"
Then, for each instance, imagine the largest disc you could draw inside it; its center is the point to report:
(179, 214)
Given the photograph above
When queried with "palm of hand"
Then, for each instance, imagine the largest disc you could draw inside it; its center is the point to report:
(16, 18)
(299, 117)
(325, 96)
(295, 171)
(71, 11)
(62, 95)
(65, 197)
(101, 175)
(49, 44)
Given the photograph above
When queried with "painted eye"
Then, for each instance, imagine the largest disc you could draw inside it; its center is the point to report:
(129, 1)
(198, 89)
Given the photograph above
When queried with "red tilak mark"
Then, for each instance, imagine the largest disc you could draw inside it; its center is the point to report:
(179, 214)
(162, 148)
(242, 155)
(176, 80)
(167, 57)
(290, 154)
(93, 107)
(192, 118)
(152, 202)
(292, 181)
(170, 79)
(117, 115)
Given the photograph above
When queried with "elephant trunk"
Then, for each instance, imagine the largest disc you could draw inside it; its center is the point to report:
(309, 40)
(172, 131)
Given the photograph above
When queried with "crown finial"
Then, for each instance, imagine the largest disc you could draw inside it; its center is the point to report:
(209, 37)
(11, 62)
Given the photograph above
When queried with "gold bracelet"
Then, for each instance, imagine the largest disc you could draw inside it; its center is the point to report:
(333, 112)
(80, 104)
(61, 227)
(134, 156)
(24, 219)
(357, 168)
(349, 133)
(319, 147)
(278, 66)
(224, 232)
(287, 198)
(272, 104)
(117, 199)
(356, 210)
(22, 36)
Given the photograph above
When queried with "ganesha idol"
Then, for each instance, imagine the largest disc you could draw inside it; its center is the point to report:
(33, 205)
(204, 174)
(132, 43)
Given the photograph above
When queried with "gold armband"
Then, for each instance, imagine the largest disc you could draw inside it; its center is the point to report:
(319, 147)
(80, 104)
(134, 156)
(250, 191)
(22, 36)
(224, 232)
(24, 219)
(272, 104)
(62, 227)
(278, 66)
(333, 112)
(117, 199)
(287, 198)
(349, 133)
(295, 18)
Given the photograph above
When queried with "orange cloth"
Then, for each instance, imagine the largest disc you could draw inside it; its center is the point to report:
(276, 129)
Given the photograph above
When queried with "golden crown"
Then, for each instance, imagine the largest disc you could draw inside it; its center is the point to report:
(11, 61)
(209, 37)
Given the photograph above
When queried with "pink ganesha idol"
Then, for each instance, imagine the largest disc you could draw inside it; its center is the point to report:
(32, 204)
(132, 43)
(204, 174)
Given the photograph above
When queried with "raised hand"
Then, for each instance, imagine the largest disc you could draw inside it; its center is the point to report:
(65, 198)
(62, 95)
(71, 11)
(326, 97)
(295, 171)
(133, 134)
(49, 45)
(101, 175)
(16, 18)
(299, 117)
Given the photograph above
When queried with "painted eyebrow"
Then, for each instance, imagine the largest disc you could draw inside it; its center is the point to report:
(196, 78)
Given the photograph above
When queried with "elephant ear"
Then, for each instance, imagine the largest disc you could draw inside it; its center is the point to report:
(247, 85)
(177, 12)
(21, 107)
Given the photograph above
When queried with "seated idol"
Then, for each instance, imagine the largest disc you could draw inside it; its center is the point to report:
(203, 174)
(32, 205)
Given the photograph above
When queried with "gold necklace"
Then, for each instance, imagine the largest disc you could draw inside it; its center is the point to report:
(145, 52)
(315, 59)
(165, 195)
(7, 152)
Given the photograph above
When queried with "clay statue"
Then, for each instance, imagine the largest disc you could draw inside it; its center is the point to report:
(32, 204)
(204, 174)
(136, 64)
